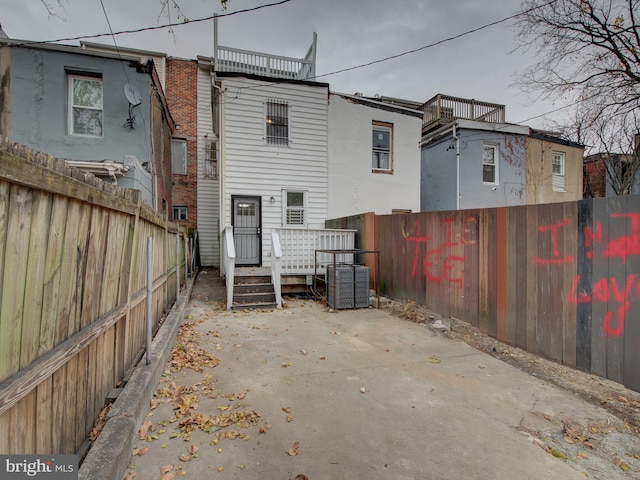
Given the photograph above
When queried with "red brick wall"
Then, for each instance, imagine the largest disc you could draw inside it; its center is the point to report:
(181, 84)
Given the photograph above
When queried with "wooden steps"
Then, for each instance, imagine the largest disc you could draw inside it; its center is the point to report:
(253, 288)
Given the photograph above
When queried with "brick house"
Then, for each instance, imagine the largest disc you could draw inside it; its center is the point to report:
(181, 90)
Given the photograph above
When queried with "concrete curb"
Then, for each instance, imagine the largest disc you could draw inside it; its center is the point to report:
(109, 456)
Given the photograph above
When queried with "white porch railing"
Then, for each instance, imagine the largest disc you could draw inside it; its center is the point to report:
(235, 60)
(229, 256)
(299, 246)
(276, 267)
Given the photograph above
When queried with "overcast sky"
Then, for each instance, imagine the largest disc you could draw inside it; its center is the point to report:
(350, 33)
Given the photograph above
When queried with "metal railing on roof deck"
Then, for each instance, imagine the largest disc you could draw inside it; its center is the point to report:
(235, 60)
(444, 109)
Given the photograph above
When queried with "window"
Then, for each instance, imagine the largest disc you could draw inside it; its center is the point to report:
(180, 213)
(557, 171)
(294, 211)
(381, 156)
(277, 122)
(85, 106)
(489, 164)
(179, 157)
(210, 161)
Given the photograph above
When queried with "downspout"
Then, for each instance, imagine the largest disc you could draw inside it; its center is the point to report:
(457, 139)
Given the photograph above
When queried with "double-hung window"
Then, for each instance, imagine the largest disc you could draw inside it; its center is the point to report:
(294, 207)
(557, 172)
(85, 106)
(490, 164)
(277, 122)
(179, 157)
(381, 147)
(180, 212)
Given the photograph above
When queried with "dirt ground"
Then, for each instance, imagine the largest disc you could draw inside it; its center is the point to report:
(592, 449)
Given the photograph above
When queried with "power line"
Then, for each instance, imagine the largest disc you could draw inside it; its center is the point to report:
(440, 42)
(157, 27)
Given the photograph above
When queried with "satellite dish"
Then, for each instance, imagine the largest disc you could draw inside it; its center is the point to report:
(132, 95)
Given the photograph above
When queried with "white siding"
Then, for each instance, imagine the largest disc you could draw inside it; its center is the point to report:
(353, 187)
(254, 168)
(208, 189)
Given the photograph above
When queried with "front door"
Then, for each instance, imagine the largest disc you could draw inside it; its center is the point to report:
(246, 230)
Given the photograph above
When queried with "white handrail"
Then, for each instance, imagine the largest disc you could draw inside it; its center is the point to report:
(229, 263)
(299, 246)
(276, 259)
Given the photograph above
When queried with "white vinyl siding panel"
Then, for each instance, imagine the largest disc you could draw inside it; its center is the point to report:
(208, 189)
(254, 167)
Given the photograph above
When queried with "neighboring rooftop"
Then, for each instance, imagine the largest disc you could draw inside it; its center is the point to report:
(443, 109)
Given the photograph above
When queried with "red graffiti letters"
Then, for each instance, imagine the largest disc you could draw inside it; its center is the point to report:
(610, 291)
(607, 290)
(440, 264)
(626, 245)
(557, 259)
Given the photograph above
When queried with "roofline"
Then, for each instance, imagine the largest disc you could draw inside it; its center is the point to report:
(127, 49)
(12, 42)
(269, 79)
(381, 105)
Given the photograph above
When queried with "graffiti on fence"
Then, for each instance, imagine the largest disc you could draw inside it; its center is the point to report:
(442, 263)
(605, 290)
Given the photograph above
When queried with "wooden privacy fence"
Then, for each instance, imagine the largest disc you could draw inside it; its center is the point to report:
(73, 270)
(559, 280)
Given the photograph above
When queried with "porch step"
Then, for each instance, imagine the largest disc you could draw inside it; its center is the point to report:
(254, 295)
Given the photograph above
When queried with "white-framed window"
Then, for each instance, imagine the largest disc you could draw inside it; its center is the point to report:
(381, 147)
(294, 207)
(490, 164)
(277, 127)
(178, 156)
(85, 106)
(557, 172)
(211, 160)
(180, 212)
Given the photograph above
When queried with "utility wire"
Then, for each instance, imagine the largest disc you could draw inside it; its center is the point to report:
(157, 27)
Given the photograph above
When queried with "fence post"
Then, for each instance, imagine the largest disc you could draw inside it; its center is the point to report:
(149, 295)
(177, 267)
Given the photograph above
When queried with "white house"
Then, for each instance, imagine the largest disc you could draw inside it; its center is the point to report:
(374, 156)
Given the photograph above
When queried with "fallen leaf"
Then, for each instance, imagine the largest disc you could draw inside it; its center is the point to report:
(289, 418)
(582, 455)
(303, 352)
(241, 396)
(294, 450)
(286, 409)
(621, 465)
(130, 476)
(185, 457)
(363, 390)
(165, 469)
(323, 358)
(434, 359)
(193, 449)
(140, 451)
(144, 428)
(622, 399)
(220, 469)
(301, 477)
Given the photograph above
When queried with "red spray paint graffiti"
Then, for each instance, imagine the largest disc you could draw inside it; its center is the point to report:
(557, 259)
(604, 290)
(440, 264)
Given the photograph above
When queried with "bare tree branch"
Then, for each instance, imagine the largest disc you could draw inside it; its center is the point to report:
(588, 53)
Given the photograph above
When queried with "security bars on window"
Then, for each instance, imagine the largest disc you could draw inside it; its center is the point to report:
(277, 122)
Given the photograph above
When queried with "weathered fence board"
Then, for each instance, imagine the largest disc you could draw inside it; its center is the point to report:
(72, 312)
(632, 318)
(560, 280)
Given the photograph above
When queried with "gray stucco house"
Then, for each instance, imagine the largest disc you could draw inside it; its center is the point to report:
(102, 112)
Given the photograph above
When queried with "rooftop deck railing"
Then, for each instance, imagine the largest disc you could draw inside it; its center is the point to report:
(443, 109)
